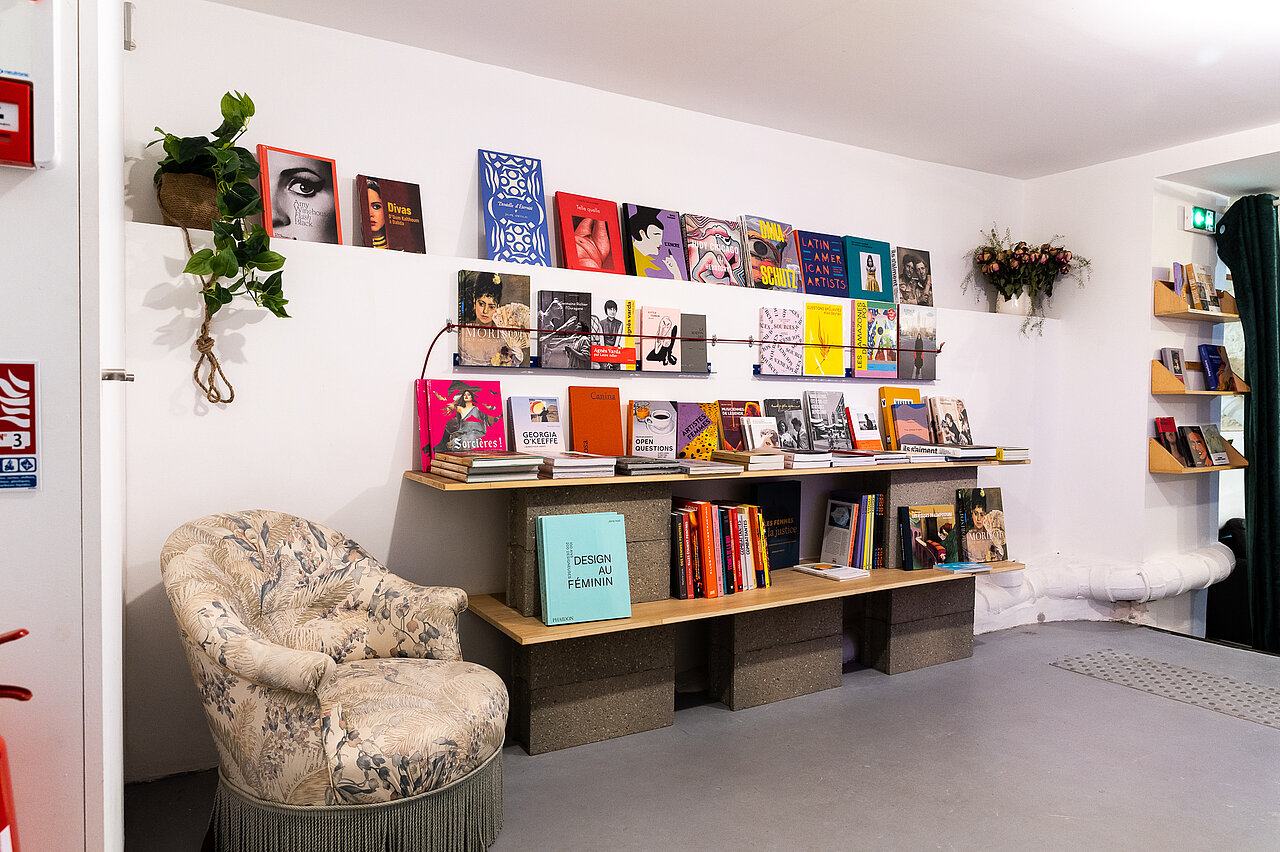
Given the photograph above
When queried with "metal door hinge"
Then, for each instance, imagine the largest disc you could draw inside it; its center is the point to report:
(116, 376)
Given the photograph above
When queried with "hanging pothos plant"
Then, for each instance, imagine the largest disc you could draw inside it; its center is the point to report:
(241, 261)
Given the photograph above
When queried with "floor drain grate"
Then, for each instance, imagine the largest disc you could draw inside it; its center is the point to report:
(1241, 699)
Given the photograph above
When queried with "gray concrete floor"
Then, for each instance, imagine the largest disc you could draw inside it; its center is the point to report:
(1001, 751)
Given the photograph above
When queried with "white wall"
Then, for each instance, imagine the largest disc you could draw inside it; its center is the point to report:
(323, 425)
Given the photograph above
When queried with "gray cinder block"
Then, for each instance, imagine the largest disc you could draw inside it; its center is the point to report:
(595, 657)
(911, 645)
(646, 507)
(915, 602)
(752, 631)
(752, 678)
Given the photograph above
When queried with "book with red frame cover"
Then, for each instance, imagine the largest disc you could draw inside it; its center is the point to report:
(390, 214)
(731, 413)
(589, 234)
(458, 415)
(299, 196)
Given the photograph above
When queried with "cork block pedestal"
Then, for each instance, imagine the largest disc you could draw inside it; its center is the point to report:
(910, 628)
(769, 655)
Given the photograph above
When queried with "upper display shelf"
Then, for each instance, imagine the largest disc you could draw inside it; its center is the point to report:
(1170, 305)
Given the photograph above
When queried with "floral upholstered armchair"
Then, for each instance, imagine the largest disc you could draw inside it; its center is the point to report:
(331, 685)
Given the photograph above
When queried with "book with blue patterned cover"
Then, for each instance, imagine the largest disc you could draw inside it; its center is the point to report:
(515, 209)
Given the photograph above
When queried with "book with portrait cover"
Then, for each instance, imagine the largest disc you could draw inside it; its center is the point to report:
(1194, 446)
(713, 250)
(595, 420)
(822, 264)
(498, 304)
(660, 339)
(731, 413)
(914, 281)
(693, 346)
(535, 424)
(869, 269)
(911, 424)
(299, 196)
(774, 263)
(390, 214)
(582, 567)
(590, 238)
(1171, 357)
(824, 339)
(514, 208)
(697, 429)
(1167, 435)
(781, 342)
(1217, 368)
(564, 330)
(651, 428)
(875, 340)
(828, 427)
(917, 342)
(779, 504)
(1215, 444)
(949, 421)
(613, 333)
(761, 433)
(980, 525)
(654, 244)
(789, 414)
(458, 415)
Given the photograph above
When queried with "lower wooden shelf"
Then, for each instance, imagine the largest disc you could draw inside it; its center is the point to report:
(789, 588)
(1160, 460)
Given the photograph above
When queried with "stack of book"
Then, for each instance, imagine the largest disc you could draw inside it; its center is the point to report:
(800, 459)
(892, 457)
(573, 465)
(485, 465)
(953, 451)
(852, 458)
(717, 548)
(645, 466)
(706, 467)
(1013, 454)
(751, 459)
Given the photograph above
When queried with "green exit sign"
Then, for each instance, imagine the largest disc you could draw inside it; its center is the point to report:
(1202, 219)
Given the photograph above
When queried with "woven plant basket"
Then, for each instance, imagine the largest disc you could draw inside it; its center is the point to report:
(188, 201)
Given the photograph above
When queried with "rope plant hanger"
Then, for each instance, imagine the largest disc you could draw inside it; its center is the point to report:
(206, 183)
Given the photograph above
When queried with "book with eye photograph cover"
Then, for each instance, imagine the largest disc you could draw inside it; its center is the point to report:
(299, 196)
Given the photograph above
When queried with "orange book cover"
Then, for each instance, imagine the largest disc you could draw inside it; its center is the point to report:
(595, 420)
(889, 396)
(706, 541)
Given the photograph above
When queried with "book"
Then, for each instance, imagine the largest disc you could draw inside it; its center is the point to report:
(779, 502)
(488, 476)
(582, 567)
(389, 213)
(832, 570)
(1171, 357)
(925, 531)
(1194, 446)
(763, 459)
(1167, 435)
(571, 459)
(693, 346)
(1208, 290)
(828, 428)
(875, 340)
(868, 268)
(564, 326)
(651, 428)
(697, 429)
(949, 421)
(852, 458)
(964, 567)
(911, 423)
(822, 264)
(793, 434)
(1215, 444)
(781, 342)
(824, 339)
(613, 334)
(299, 196)
(660, 339)
(514, 209)
(839, 532)
(770, 249)
(535, 424)
(863, 429)
(917, 342)
(888, 397)
(761, 433)
(646, 464)
(595, 420)
(951, 451)
(494, 308)
(1217, 368)
(590, 238)
(1013, 454)
(980, 525)
(655, 246)
(731, 413)
(713, 250)
(488, 460)
(457, 415)
(915, 277)
(703, 467)
(1191, 288)
(703, 517)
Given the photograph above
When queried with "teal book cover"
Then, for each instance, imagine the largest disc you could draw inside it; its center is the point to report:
(582, 567)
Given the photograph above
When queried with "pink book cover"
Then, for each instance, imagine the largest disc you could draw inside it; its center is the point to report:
(458, 415)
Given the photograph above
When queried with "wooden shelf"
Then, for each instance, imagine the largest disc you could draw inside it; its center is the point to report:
(789, 588)
(1169, 305)
(440, 483)
(1165, 383)
(1161, 461)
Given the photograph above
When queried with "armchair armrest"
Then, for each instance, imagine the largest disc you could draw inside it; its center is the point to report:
(225, 638)
(408, 620)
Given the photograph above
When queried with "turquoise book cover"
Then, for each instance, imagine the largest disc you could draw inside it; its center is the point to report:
(582, 567)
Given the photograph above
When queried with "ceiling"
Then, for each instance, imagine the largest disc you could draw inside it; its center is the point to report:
(1014, 87)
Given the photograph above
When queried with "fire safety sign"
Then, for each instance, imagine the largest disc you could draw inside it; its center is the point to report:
(19, 409)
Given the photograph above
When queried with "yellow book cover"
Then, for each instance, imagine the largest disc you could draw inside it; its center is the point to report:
(824, 336)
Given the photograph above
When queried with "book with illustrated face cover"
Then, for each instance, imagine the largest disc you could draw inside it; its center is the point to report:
(713, 250)
(822, 264)
(458, 415)
(514, 208)
(774, 263)
(654, 245)
(980, 525)
(299, 196)
(390, 214)
(589, 235)
(494, 310)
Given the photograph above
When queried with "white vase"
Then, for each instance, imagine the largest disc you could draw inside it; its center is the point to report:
(1018, 305)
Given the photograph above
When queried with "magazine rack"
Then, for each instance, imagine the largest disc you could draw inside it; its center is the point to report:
(1161, 460)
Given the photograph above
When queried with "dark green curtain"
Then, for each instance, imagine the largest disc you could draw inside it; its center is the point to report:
(1249, 246)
